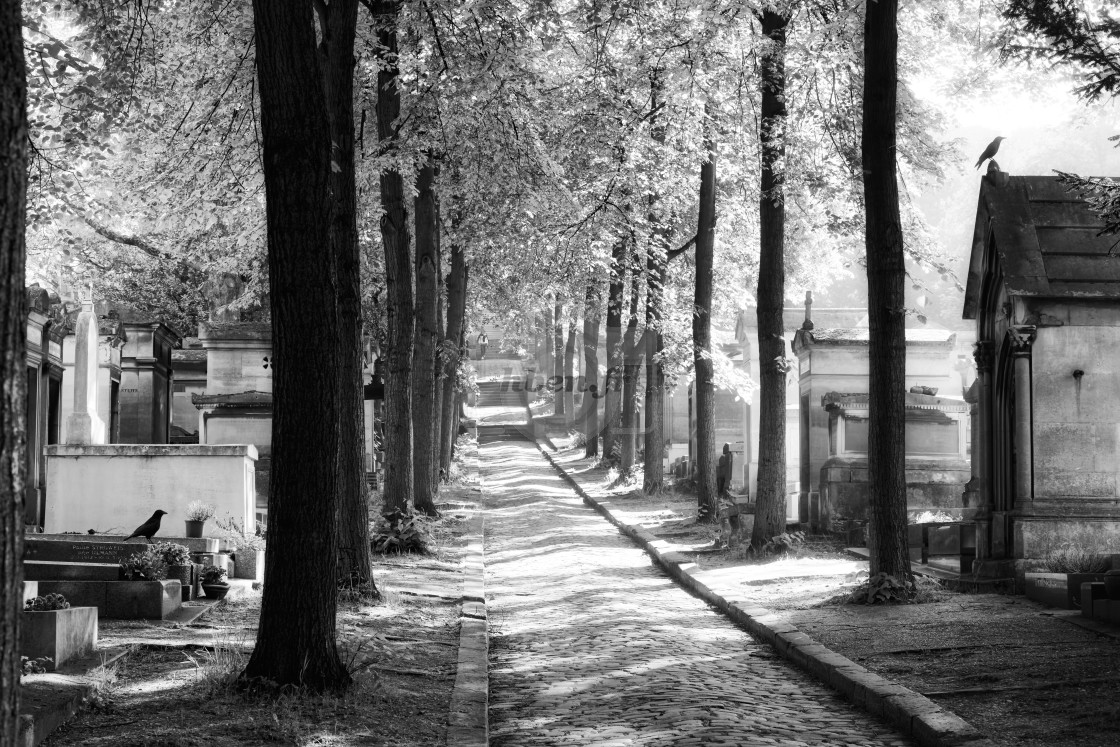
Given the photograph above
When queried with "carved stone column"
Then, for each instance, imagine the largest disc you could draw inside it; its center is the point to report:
(1022, 337)
(978, 492)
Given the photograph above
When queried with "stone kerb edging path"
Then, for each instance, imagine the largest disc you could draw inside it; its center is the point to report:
(467, 722)
(914, 714)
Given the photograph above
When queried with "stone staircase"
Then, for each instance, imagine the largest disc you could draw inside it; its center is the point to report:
(505, 393)
(506, 432)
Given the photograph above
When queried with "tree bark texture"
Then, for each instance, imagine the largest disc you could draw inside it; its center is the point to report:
(440, 355)
(13, 364)
(296, 635)
(656, 267)
(424, 487)
(612, 406)
(453, 333)
(570, 364)
(886, 274)
(592, 313)
(395, 239)
(354, 560)
(558, 359)
(770, 502)
(704, 389)
(631, 372)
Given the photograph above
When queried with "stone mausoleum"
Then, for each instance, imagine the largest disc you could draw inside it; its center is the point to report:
(1044, 289)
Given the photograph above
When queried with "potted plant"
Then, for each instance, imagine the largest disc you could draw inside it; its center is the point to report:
(179, 565)
(214, 581)
(53, 631)
(197, 514)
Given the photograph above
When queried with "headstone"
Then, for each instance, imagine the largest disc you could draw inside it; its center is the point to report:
(84, 422)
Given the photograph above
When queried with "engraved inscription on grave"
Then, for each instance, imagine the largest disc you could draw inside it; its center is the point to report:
(79, 552)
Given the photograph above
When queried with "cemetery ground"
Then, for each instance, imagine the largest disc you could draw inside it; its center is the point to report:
(1023, 674)
(174, 686)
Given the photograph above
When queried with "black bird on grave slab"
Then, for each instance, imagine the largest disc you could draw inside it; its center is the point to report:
(148, 528)
(990, 151)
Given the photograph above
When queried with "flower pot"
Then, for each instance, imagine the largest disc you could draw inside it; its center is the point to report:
(215, 591)
(1112, 584)
(194, 528)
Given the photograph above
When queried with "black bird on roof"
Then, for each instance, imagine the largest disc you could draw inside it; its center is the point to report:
(148, 528)
(990, 151)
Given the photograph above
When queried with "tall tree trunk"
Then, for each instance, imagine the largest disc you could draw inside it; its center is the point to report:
(886, 272)
(656, 259)
(570, 364)
(395, 239)
(558, 358)
(440, 354)
(456, 311)
(424, 360)
(296, 644)
(354, 561)
(592, 312)
(612, 410)
(702, 339)
(770, 506)
(13, 364)
(631, 371)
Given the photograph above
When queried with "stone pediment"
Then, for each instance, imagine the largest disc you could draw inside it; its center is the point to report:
(1045, 241)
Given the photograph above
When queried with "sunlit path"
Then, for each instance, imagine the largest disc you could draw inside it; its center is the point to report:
(592, 645)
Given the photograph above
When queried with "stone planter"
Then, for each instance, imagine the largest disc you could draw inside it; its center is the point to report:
(1062, 590)
(216, 591)
(60, 634)
(183, 574)
(249, 564)
(1112, 584)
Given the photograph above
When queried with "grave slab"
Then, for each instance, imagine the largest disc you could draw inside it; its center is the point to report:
(120, 600)
(56, 571)
(60, 634)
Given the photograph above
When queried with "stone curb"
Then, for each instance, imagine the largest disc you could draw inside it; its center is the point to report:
(467, 724)
(927, 723)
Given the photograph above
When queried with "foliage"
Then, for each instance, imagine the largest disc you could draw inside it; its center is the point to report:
(241, 539)
(46, 603)
(148, 565)
(212, 574)
(199, 511)
(172, 553)
(931, 517)
(782, 544)
(882, 588)
(34, 666)
(1072, 557)
(398, 532)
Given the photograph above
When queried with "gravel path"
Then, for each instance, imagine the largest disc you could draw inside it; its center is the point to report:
(592, 645)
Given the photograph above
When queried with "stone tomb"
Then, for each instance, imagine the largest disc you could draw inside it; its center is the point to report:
(937, 466)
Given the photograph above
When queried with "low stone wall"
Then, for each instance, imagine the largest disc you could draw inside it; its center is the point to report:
(115, 488)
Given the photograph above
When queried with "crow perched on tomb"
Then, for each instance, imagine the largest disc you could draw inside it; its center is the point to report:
(991, 150)
(148, 528)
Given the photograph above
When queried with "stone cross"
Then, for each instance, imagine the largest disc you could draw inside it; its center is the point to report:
(84, 422)
(808, 323)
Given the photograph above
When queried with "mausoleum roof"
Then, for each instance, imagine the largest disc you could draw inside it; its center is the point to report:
(862, 335)
(1047, 242)
(240, 399)
(859, 401)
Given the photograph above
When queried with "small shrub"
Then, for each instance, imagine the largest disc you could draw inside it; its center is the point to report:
(783, 544)
(931, 517)
(1073, 558)
(199, 511)
(399, 532)
(883, 588)
(172, 553)
(213, 574)
(148, 565)
(243, 540)
(34, 666)
(46, 603)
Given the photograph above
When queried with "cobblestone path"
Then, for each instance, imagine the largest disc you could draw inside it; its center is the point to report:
(592, 645)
